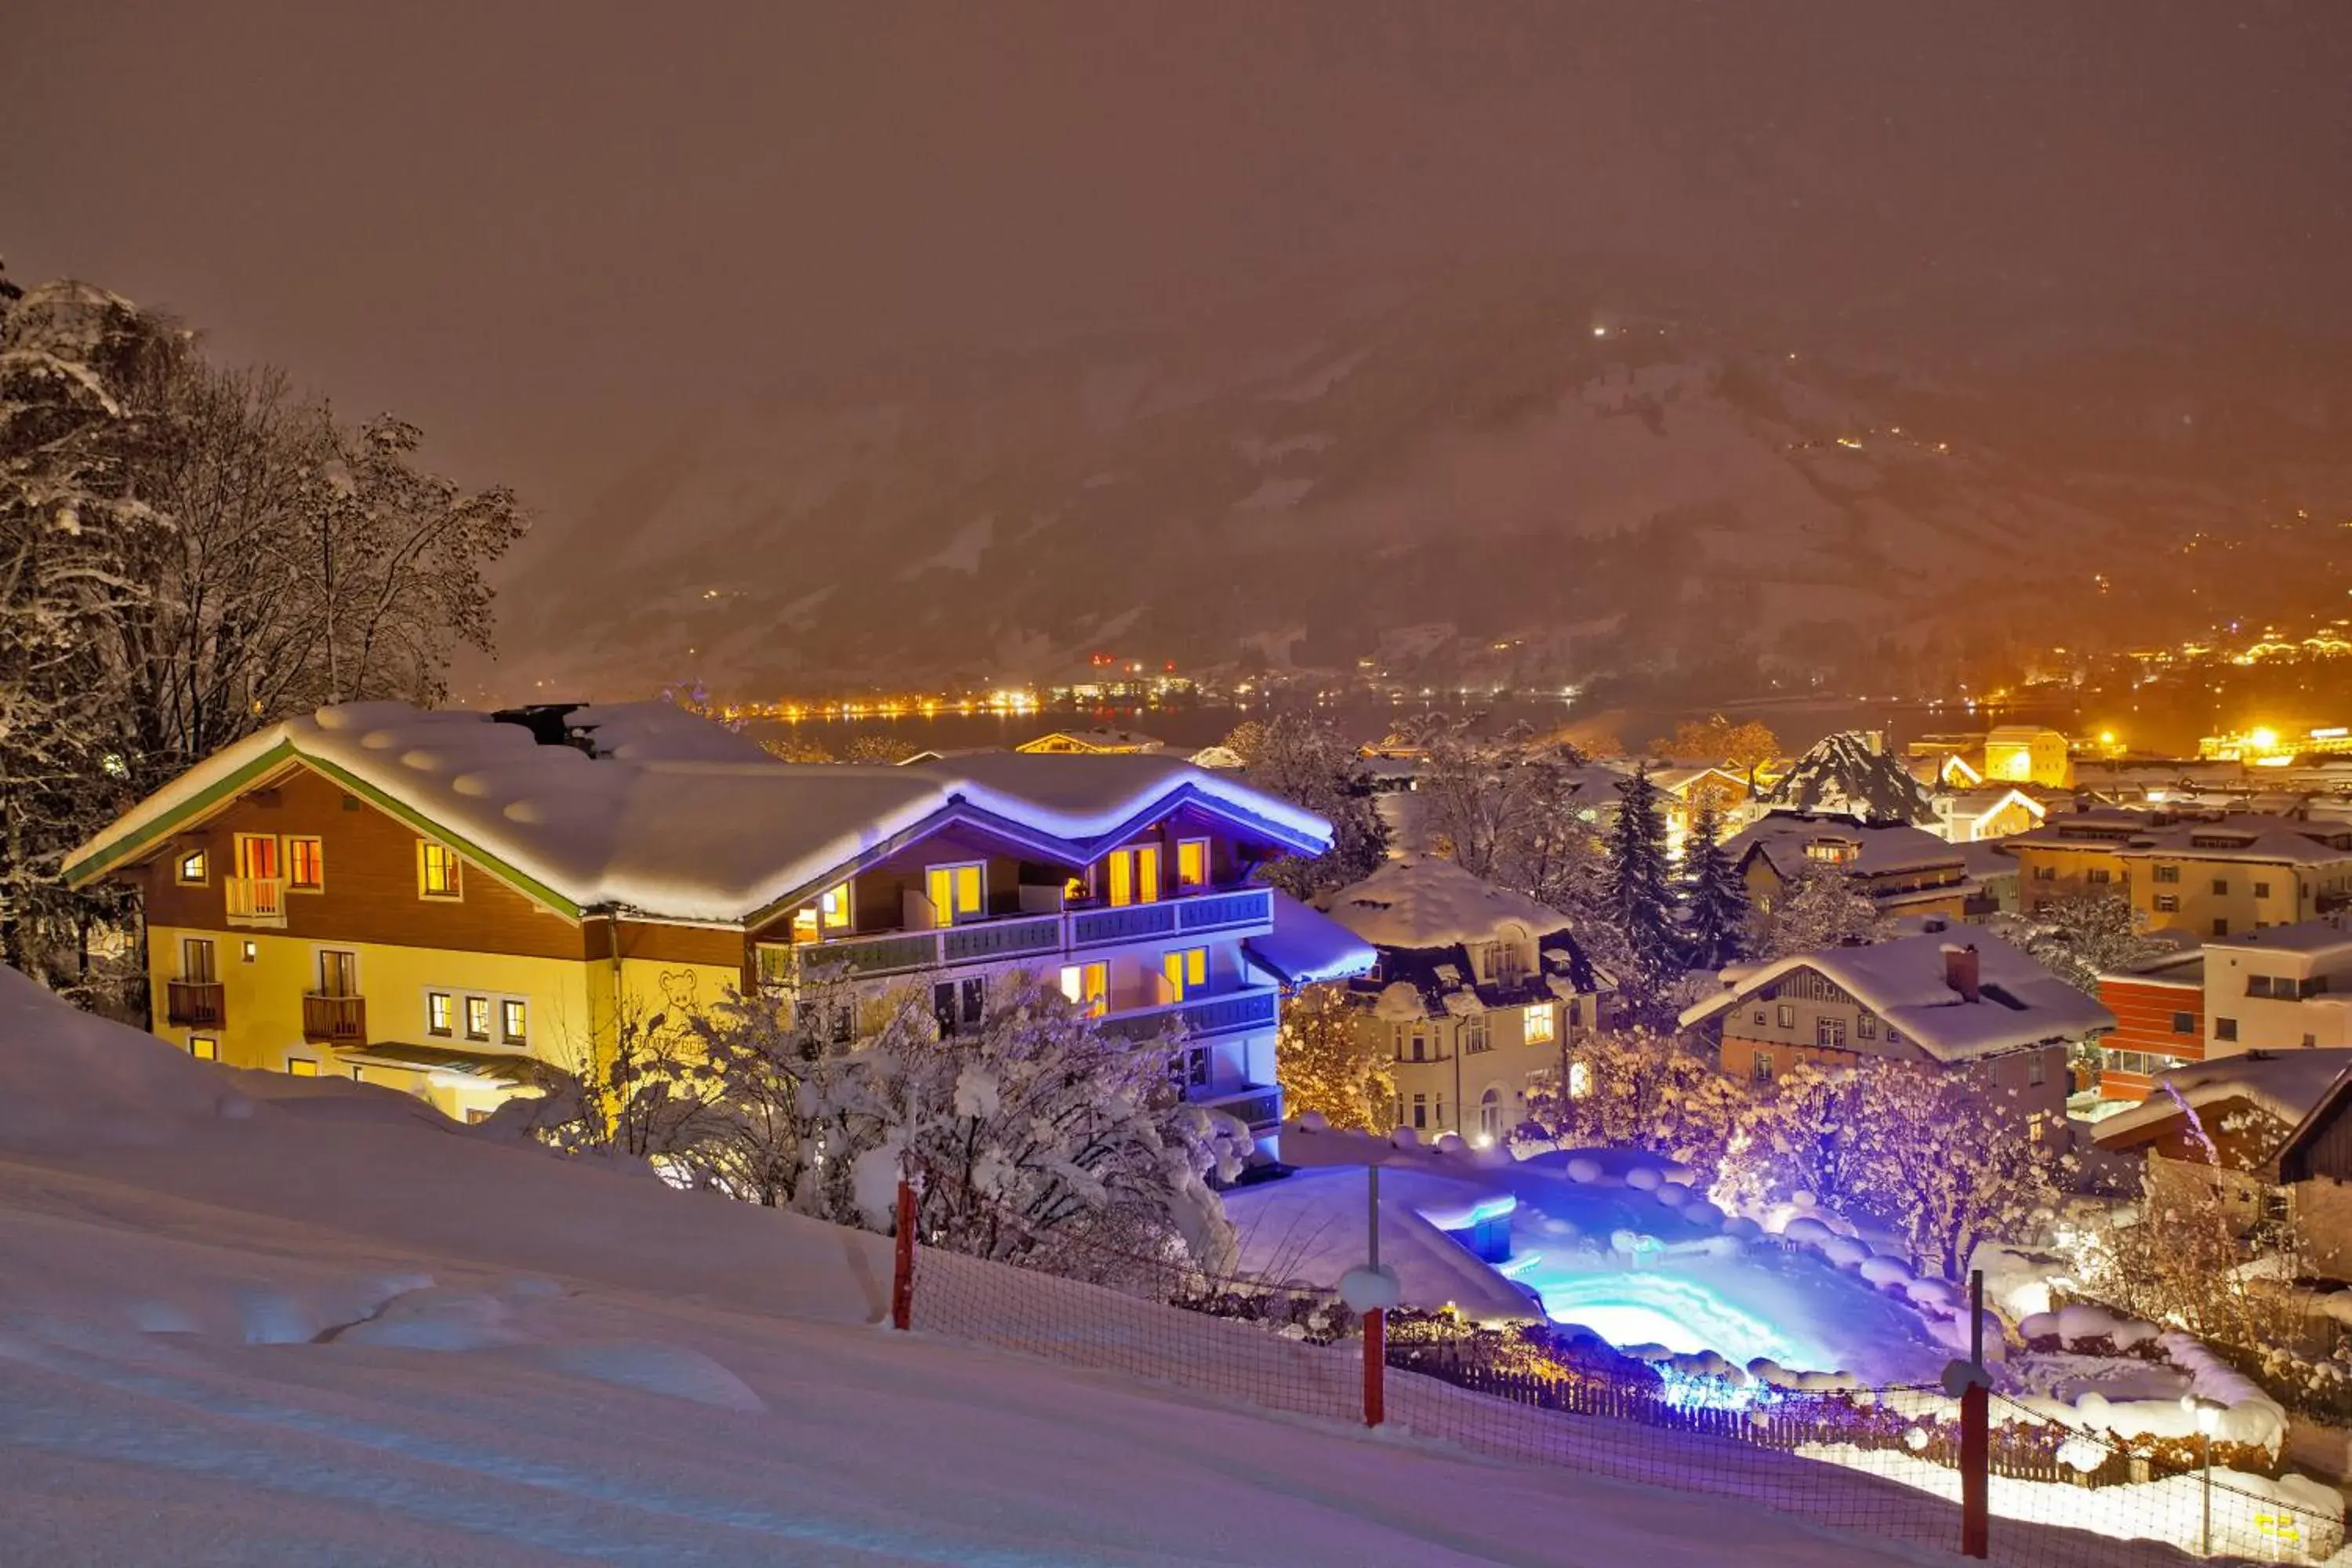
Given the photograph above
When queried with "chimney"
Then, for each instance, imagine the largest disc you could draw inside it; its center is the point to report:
(1960, 971)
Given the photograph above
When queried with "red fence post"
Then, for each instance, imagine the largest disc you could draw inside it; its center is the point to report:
(1376, 1361)
(902, 1272)
(1976, 1422)
(1976, 1464)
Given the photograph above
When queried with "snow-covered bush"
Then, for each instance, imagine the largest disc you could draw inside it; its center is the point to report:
(1641, 1090)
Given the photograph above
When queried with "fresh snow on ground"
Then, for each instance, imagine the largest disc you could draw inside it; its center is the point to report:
(246, 1321)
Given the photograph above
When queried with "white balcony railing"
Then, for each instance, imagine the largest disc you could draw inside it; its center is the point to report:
(1013, 937)
(255, 900)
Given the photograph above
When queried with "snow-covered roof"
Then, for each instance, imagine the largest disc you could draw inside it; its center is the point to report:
(2282, 1084)
(1427, 902)
(1879, 848)
(2309, 938)
(1906, 982)
(1848, 772)
(1307, 947)
(1095, 739)
(674, 817)
(1221, 757)
(2235, 836)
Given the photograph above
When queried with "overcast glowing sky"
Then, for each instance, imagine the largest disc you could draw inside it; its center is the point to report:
(542, 229)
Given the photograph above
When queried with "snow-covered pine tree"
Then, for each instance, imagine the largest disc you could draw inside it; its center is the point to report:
(1715, 899)
(1641, 904)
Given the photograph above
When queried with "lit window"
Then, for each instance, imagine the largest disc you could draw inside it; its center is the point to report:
(1192, 863)
(477, 1018)
(957, 892)
(256, 855)
(440, 1013)
(306, 864)
(511, 1021)
(1186, 970)
(1580, 1080)
(439, 874)
(204, 1047)
(1135, 874)
(1087, 985)
(302, 1066)
(193, 868)
(1539, 1023)
(252, 951)
(833, 908)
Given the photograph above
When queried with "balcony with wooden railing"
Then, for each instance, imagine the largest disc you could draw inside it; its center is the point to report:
(334, 1020)
(1010, 938)
(194, 1003)
(255, 900)
(1202, 1016)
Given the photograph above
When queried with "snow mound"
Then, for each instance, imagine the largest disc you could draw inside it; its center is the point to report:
(438, 1321)
(68, 1080)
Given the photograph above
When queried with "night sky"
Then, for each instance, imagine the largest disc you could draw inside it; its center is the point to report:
(544, 232)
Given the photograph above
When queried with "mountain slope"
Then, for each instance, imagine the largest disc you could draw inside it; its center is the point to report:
(1510, 457)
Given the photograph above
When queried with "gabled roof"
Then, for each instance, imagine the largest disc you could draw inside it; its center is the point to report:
(1905, 981)
(681, 819)
(1096, 740)
(1427, 902)
(1881, 848)
(2282, 1084)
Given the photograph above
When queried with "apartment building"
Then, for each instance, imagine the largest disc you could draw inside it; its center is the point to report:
(429, 900)
(1477, 989)
(2159, 1011)
(2285, 988)
(1981, 1007)
(2213, 874)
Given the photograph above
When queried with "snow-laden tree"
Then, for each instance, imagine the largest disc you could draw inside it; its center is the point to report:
(1717, 741)
(1715, 896)
(1304, 759)
(1330, 1066)
(1037, 1136)
(189, 555)
(1639, 901)
(1943, 1157)
(1636, 1089)
(2082, 936)
(1821, 906)
(85, 379)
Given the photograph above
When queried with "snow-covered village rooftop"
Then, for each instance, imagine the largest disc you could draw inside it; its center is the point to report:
(2282, 1084)
(1785, 838)
(1426, 902)
(649, 807)
(1909, 983)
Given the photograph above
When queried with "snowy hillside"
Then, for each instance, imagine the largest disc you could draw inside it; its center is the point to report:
(1503, 457)
(256, 1320)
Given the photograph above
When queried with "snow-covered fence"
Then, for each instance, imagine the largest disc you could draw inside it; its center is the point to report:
(1882, 1462)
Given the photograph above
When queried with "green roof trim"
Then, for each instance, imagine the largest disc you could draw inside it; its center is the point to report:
(98, 864)
(91, 867)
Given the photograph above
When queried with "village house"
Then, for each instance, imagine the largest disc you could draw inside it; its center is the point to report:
(1905, 870)
(2224, 1127)
(1986, 812)
(2314, 1166)
(433, 899)
(1684, 793)
(2160, 1009)
(1476, 990)
(2284, 988)
(1092, 742)
(2211, 874)
(2028, 754)
(1981, 1008)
